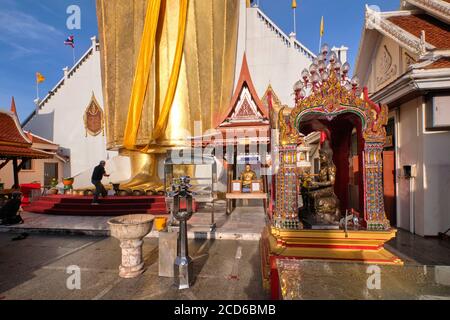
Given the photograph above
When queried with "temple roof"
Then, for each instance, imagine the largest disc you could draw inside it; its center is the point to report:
(10, 130)
(245, 108)
(14, 142)
(421, 28)
(437, 33)
(39, 140)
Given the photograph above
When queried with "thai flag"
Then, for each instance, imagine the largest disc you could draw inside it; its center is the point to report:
(70, 41)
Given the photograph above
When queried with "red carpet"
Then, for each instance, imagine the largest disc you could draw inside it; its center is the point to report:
(110, 206)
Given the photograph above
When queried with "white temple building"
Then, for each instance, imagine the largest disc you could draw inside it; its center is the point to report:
(404, 60)
(60, 116)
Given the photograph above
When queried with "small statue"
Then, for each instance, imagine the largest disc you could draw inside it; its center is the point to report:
(321, 193)
(288, 134)
(247, 177)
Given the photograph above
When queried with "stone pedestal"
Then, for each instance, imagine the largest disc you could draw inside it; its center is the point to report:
(132, 262)
(130, 230)
(167, 253)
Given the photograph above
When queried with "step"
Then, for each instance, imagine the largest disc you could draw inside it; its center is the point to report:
(107, 206)
(111, 200)
(115, 199)
(101, 212)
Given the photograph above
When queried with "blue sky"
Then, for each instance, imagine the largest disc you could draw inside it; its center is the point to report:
(32, 34)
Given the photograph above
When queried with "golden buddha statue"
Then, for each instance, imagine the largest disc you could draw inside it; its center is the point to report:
(166, 65)
(247, 176)
(320, 194)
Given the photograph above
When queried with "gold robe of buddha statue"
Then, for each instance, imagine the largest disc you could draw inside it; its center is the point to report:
(205, 81)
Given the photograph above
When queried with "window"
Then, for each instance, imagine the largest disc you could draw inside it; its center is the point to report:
(27, 164)
(438, 112)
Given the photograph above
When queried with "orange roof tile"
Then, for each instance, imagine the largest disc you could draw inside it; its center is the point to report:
(13, 141)
(19, 151)
(437, 33)
(438, 64)
(9, 132)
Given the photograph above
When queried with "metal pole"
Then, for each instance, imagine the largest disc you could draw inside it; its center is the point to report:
(295, 26)
(183, 266)
(320, 44)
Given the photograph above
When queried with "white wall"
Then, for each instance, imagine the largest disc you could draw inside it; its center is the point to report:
(272, 58)
(409, 153)
(436, 175)
(430, 151)
(61, 118)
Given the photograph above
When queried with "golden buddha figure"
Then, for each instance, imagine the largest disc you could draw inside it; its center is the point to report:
(166, 65)
(320, 197)
(247, 176)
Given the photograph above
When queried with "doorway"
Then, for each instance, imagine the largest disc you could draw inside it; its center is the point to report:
(50, 172)
(389, 178)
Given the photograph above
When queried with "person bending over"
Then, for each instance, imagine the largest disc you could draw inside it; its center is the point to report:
(97, 176)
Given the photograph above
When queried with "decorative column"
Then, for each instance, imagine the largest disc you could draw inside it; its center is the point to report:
(374, 214)
(286, 210)
(374, 135)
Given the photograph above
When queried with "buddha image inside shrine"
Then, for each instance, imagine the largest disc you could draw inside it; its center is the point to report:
(225, 150)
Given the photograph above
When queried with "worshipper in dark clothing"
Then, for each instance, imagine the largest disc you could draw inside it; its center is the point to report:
(97, 176)
(9, 213)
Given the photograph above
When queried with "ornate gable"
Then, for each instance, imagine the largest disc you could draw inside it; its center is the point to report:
(245, 106)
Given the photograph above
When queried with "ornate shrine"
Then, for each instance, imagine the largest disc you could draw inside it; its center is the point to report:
(244, 135)
(326, 100)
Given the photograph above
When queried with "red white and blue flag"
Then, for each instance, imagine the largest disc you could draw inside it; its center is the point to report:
(70, 41)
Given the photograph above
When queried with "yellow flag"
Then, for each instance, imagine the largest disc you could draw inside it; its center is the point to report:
(39, 77)
(322, 27)
(294, 4)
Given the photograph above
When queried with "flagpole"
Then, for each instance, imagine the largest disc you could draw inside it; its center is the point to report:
(321, 33)
(37, 90)
(73, 54)
(295, 26)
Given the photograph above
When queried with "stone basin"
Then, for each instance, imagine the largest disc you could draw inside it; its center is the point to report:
(130, 230)
(132, 226)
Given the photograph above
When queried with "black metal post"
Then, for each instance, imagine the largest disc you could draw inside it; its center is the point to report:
(183, 267)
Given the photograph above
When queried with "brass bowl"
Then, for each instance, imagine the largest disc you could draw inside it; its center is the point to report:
(138, 193)
(124, 193)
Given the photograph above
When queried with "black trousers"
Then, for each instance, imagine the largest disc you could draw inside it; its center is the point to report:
(99, 189)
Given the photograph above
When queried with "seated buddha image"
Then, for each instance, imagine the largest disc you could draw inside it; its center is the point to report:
(247, 176)
(319, 196)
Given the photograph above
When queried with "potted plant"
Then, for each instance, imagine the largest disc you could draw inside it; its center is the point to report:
(53, 184)
(68, 182)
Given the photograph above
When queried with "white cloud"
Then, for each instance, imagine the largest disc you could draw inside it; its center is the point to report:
(24, 33)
